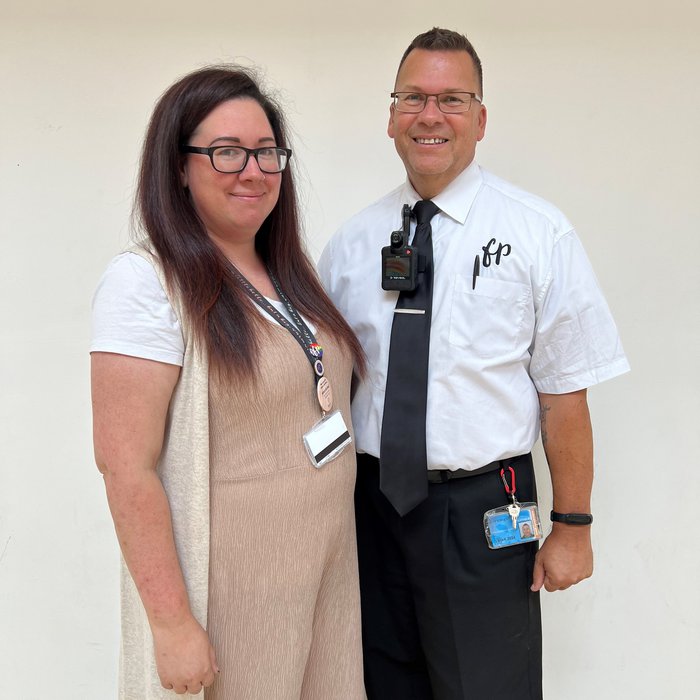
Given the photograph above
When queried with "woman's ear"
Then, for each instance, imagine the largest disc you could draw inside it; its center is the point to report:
(183, 173)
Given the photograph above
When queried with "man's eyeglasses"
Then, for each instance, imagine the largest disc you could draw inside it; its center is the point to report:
(447, 102)
(233, 159)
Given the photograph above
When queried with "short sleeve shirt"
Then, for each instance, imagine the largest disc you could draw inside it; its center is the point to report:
(533, 320)
(132, 315)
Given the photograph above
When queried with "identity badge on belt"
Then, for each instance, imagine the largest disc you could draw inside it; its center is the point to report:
(327, 439)
(516, 523)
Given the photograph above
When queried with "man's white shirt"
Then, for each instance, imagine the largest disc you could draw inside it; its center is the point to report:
(533, 320)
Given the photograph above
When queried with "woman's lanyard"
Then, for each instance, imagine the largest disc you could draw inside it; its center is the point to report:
(301, 332)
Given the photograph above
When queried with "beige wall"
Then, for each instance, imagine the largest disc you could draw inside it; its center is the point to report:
(593, 105)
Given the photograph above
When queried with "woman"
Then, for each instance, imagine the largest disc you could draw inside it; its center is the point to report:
(208, 380)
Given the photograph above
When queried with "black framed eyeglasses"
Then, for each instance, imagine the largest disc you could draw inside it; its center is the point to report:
(447, 102)
(233, 159)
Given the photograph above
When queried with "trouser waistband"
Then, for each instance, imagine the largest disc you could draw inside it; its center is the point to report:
(439, 476)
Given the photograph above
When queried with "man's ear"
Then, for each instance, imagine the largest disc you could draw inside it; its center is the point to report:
(390, 126)
(482, 123)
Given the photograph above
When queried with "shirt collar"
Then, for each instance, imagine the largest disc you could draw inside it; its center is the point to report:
(457, 198)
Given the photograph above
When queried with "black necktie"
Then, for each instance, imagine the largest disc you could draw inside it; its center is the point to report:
(402, 458)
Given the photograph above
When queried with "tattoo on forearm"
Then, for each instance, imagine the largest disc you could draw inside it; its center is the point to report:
(544, 409)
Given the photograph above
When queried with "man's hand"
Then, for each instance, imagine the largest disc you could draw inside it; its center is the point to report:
(184, 657)
(565, 558)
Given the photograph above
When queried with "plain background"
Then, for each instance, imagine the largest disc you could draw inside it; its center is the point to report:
(592, 105)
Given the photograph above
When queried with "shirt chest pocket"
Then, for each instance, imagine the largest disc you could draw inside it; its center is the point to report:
(492, 320)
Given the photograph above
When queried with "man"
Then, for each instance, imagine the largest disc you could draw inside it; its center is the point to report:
(517, 329)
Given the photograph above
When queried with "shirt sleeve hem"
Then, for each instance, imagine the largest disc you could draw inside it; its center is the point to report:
(140, 352)
(597, 375)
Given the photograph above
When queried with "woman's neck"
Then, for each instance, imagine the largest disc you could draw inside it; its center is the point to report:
(248, 262)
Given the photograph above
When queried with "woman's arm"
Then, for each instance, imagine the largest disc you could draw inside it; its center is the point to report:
(130, 399)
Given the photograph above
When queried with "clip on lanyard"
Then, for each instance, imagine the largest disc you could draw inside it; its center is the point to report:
(510, 490)
(300, 331)
(514, 507)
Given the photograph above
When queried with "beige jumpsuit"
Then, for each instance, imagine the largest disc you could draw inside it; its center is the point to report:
(283, 611)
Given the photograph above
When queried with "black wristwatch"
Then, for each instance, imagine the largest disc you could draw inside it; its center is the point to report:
(571, 518)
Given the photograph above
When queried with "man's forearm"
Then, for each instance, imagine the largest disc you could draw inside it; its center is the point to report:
(566, 557)
(567, 439)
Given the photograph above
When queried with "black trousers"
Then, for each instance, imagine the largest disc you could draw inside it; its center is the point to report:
(443, 616)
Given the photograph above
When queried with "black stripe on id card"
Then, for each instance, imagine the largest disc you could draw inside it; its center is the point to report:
(327, 439)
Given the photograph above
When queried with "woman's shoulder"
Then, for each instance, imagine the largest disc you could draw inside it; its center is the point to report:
(132, 266)
(131, 312)
(131, 278)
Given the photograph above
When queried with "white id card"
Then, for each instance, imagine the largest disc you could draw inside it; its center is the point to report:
(327, 439)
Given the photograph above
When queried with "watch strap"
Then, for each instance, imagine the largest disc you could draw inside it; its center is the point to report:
(571, 518)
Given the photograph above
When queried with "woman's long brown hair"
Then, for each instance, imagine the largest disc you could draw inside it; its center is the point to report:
(215, 304)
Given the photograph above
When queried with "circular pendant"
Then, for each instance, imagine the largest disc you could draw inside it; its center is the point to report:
(324, 394)
(318, 368)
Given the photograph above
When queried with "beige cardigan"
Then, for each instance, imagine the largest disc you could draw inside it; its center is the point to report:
(184, 470)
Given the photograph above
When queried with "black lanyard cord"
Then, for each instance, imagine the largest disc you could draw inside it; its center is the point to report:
(301, 332)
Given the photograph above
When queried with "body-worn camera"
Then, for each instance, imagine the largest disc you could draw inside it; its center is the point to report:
(400, 260)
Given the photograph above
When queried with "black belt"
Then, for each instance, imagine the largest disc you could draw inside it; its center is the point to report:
(440, 476)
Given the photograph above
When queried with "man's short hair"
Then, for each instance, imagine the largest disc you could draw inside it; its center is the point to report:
(437, 39)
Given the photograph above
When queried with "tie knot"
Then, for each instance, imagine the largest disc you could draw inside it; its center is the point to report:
(425, 210)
